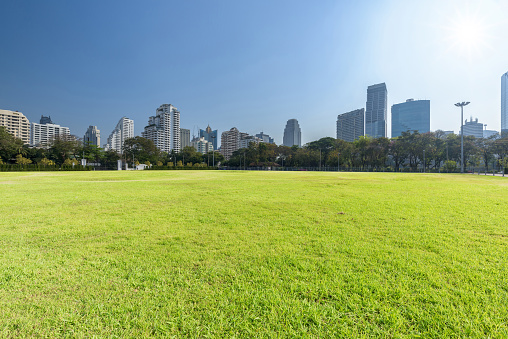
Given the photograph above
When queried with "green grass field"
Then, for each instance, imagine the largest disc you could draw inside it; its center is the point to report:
(253, 254)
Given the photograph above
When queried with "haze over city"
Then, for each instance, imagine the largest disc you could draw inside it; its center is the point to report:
(249, 65)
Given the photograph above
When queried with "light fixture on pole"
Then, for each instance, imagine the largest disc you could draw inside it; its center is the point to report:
(461, 105)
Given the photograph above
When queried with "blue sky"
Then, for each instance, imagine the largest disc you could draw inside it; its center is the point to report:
(252, 65)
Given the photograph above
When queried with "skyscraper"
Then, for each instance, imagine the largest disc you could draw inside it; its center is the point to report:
(292, 134)
(504, 105)
(164, 128)
(92, 136)
(412, 115)
(184, 138)
(124, 130)
(16, 123)
(350, 125)
(209, 135)
(375, 111)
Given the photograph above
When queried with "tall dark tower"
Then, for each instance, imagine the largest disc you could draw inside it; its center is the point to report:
(375, 111)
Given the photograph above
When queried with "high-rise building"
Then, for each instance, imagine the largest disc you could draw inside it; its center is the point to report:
(247, 139)
(375, 111)
(184, 138)
(209, 135)
(202, 145)
(42, 134)
(504, 105)
(124, 130)
(292, 134)
(230, 141)
(92, 136)
(45, 120)
(164, 128)
(16, 123)
(412, 115)
(265, 138)
(473, 128)
(350, 125)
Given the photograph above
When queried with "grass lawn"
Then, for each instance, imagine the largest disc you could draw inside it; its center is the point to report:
(253, 254)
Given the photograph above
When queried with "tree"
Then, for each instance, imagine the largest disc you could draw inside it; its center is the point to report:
(9, 145)
(22, 161)
(46, 162)
(62, 147)
(141, 149)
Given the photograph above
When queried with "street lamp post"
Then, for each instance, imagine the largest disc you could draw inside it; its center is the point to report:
(461, 105)
(338, 162)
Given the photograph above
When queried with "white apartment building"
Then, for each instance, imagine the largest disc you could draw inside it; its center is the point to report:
(202, 145)
(42, 134)
(164, 128)
(124, 130)
(16, 123)
(230, 141)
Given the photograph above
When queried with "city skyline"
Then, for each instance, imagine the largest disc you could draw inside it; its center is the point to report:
(84, 64)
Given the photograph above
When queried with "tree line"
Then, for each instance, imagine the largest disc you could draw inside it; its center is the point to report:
(412, 151)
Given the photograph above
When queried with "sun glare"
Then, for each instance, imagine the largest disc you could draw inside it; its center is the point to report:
(468, 35)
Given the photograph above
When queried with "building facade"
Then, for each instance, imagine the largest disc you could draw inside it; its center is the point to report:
(202, 145)
(16, 123)
(504, 105)
(350, 125)
(45, 120)
(209, 135)
(473, 128)
(412, 115)
(292, 134)
(124, 130)
(230, 141)
(185, 138)
(265, 138)
(164, 128)
(92, 136)
(42, 134)
(375, 111)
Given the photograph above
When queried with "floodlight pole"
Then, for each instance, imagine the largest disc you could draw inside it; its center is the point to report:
(461, 105)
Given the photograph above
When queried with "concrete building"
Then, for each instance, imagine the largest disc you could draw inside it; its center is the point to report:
(487, 133)
(164, 128)
(350, 125)
(45, 120)
(246, 140)
(412, 115)
(375, 111)
(42, 134)
(209, 135)
(504, 105)
(473, 128)
(124, 130)
(92, 136)
(265, 138)
(202, 145)
(16, 124)
(230, 141)
(292, 134)
(184, 138)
